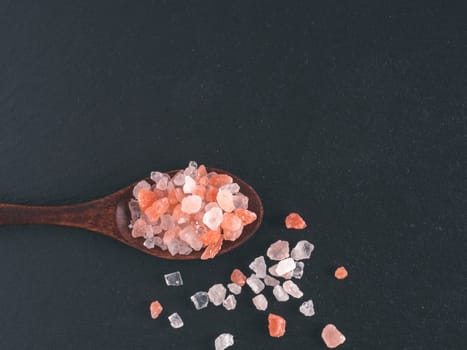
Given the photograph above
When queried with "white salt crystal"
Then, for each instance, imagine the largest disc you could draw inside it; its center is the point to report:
(213, 218)
(255, 284)
(298, 271)
(232, 188)
(225, 201)
(223, 341)
(135, 211)
(259, 267)
(279, 250)
(193, 164)
(159, 243)
(270, 281)
(191, 204)
(302, 250)
(173, 279)
(260, 302)
(234, 288)
(139, 186)
(162, 183)
(307, 308)
(229, 303)
(285, 266)
(217, 294)
(273, 271)
(177, 246)
(156, 176)
(188, 234)
(189, 185)
(190, 170)
(200, 300)
(240, 201)
(280, 294)
(175, 320)
(292, 289)
(179, 179)
(149, 243)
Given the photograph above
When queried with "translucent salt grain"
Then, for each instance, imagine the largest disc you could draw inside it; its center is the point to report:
(234, 288)
(156, 229)
(260, 302)
(302, 250)
(149, 232)
(285, 266)
(177, 246)
(217, 294)
(162, 184)
(292, 289)
(280, 294)
(279, 250)
(179, 179)
(273, 271)
(156, 176)
(191, 204)
(139, 228)
(188, 234)
(200, 300)
(307, 308)
(158, 242)
(139, 186)
(155, 309)
(135, 211)
(213, 218)
(298, 271)
(223, 341)
(232, 188)
(270, 281)
(240, 201)
(225, 201)
(259, 267)
(166, 222)
(255, 284)
(189, 184)
(175, 320)
(332, 337)
(173, 279)
(192, 164)
(229, 303)
(149, 243)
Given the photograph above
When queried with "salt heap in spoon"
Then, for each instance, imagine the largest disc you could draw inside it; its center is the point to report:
(190, 211)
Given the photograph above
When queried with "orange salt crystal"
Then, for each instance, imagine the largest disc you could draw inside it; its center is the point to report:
(210, 236)
(341, 273)
(295, 221)
(220, 180)
(172, 197)
(199, 191)
(145, 198)
(159, 193)
(203, 180)
(157, 209)
(276, 325)
(245, 215)
(212, 249)
(232, 235)
(231, 222)
(211, 193)
(179, 216)
(201, 171)
(179, 194)
(238, 277)
(332, 337)
(155, 308)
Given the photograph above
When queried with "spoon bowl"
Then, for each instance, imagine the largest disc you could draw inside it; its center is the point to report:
(110, 216)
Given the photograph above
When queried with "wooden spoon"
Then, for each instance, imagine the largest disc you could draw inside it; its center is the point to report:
(110, 216)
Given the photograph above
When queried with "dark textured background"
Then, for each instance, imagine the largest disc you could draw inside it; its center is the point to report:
(352, 113)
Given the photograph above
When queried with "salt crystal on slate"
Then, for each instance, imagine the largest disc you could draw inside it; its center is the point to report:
(280, 293)
(332, 336)
(302, 250)
(234, 288)
(273, 271)
(255, 284)
(307, 308)
(230, 302)
(292, 289)
(200, 300)
(278, 250)
(223, 341)
(285, 266)
(173, 279)
(217, 294)
(260, 302)
(298, 271)
(259, 267)
(270, 281)
(175, 320)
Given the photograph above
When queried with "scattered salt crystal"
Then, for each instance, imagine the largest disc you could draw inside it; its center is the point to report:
(260, 302)
(278, 250)
(200, 300)
(240, 201)
(191, 204)
(285, 266)
(179, 179)
(307, 308)
(225, 201)
(273, 271)
(270, 281)
(332, 337)
(188, 234)
(259, 267)
(139, 186)
(189, 185)
(217, 294)
(223, 341)
(280, 294)
(298, 271)
(292, 289)
(234, 288)
(232, 188)
(175, 320)
(255, 284)
(173, 279)
(149, 243)
(229, 303)
(213, 218)
(302, 250)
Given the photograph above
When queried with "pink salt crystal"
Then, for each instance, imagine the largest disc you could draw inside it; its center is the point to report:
(139, 228)
(332, 336)
(231, 222)
(210, 205)
(213, 218)
(240, 201)
(232, 235)
(189, 235)
(225, 201)
(189, 185)
(139, 186)
(155, 309)
(191, 204)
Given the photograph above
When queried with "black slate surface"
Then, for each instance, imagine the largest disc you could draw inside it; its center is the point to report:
(352, 113)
